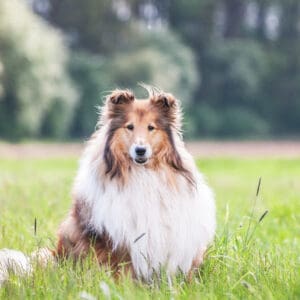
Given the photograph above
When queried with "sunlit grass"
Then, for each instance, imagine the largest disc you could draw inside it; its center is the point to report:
(250, 258)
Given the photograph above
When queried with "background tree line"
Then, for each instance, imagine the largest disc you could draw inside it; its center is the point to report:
(235, 64)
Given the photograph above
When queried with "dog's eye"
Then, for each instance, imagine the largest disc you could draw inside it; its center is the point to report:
(130, 126)
(150, 127)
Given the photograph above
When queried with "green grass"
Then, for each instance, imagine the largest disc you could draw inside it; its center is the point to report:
(249, 259)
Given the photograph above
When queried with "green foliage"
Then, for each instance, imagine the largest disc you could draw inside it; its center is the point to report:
(33, 79)
(92, 24)
(241, 122)
(250, 259)
(248, 65)
(230, 122)
(238, 68)
(282, 88)
(156, 58)
(204, 121)
(241, 65)
(92, 80)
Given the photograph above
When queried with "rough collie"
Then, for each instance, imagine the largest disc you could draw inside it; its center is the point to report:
(139, 201)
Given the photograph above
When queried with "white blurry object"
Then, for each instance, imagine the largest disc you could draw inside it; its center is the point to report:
(13, 262)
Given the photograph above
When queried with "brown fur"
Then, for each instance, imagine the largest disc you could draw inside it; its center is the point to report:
(162, 111)
(76, 241)
(115, 157)
(198, 260)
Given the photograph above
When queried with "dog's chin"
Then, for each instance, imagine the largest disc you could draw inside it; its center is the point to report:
(140, 160)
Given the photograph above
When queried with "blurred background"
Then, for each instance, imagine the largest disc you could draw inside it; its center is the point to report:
(234, 64)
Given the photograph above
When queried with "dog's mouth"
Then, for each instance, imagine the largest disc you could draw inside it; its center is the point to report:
(141, 160)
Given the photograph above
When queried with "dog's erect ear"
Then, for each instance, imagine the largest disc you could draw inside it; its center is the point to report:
(164, 101)
(116, 103)
(120, 97)
(169, 107)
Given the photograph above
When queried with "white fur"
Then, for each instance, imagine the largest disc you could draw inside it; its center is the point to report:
(16, 262)
(133, 154)
(177, 223)
(12, 261)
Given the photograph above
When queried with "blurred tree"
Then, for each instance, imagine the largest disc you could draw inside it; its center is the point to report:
(33, 78)
(262, 7)
(245, 51)
(289, 28)
(260, 77)
(156, 58)
(92, 80)
(194, 20)
(95, 25)
(235, 15)
(237, 68)
(283, 83)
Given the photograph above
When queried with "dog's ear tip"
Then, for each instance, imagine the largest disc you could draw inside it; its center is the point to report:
(121, 96)
(164, 100)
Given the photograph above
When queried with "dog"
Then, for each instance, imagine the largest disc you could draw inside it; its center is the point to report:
(139, 201)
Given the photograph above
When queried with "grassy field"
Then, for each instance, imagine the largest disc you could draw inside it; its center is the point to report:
(252, 257)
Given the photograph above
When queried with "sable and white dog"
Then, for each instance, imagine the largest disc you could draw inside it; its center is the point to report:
(138, 197)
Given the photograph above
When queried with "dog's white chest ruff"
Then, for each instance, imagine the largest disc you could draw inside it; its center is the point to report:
(161, 226)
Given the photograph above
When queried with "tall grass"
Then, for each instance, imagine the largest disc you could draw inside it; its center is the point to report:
(256, 253)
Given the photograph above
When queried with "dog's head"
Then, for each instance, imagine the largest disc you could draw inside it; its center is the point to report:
(141, 132)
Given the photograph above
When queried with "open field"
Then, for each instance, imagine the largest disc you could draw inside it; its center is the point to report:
(263, 149)
(249, 259)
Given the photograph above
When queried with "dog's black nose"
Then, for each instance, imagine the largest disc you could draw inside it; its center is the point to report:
(140, 151)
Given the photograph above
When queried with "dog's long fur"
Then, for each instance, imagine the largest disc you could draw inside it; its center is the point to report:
(165, 202)
(144, 216)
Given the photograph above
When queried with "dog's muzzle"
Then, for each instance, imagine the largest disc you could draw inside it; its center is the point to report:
(140, 153)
